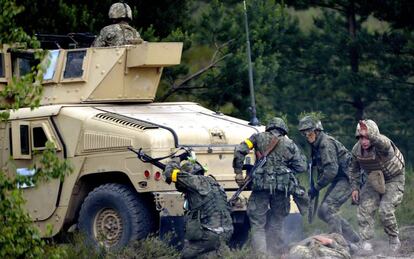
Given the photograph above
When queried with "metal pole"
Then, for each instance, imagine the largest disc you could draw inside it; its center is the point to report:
(253, 121)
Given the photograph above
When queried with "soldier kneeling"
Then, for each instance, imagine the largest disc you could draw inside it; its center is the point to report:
(208, 219)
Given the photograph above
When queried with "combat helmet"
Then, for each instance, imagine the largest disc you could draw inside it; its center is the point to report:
(193, 167)
(309, 123)
(119, 11)
(277, 123)
(371, 125)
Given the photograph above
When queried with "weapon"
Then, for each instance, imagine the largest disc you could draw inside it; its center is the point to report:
(156, 161)
(147, 159)
(260, 162)
(313, 207)
(249, 177)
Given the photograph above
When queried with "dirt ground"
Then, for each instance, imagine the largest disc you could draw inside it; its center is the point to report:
(407, 246)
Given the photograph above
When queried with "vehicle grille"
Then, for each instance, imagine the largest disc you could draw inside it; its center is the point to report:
(126, 121)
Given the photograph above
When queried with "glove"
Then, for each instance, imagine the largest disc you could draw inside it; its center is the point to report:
(313, 193)
(239, 177)
(167, 176)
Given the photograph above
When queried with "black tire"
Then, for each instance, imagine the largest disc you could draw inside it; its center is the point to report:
(112, 215)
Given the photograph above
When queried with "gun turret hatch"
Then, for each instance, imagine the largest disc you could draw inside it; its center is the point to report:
(97, 75)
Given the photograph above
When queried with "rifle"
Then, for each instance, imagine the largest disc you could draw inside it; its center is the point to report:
(313, 207)
(260, 162)
(147, 159)
(156, 161)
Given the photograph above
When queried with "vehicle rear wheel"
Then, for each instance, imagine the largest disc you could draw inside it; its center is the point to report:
(112, 215)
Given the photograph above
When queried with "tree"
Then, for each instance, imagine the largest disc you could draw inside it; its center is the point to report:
(18, 237)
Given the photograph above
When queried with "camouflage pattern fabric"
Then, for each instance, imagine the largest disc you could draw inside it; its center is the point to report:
(206, 247)
(382, 155)
(265, 209)
(208, 219)
(117, 35)
(267, 205)
(332, 161)
(336, 195)
(312, 247)
(370, 201)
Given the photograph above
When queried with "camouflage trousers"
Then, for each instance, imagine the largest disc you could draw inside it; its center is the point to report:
(370, 201)
(266, 213)
(208, 245)
(336, 195)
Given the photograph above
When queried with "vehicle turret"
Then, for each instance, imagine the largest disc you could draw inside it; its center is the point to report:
(95, 75)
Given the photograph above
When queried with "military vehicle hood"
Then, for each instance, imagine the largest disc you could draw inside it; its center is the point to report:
(190, 124)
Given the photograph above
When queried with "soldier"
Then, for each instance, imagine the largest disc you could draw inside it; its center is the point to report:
(321, 246)
(271, 185)
(208, 215)
(332, 161)
(120, 32)
(380, 159)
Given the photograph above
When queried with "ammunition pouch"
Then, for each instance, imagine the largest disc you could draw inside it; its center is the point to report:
(194, 229)
(377, 181)
(274, 179)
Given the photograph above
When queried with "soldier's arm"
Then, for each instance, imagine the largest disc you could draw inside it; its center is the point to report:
(298, 160)
(100, 41)
(241, 151)
(191, 182)
(355, 173)
(329, 165)
(381, 143)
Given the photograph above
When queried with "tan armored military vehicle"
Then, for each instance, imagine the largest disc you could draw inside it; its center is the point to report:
(97, 102)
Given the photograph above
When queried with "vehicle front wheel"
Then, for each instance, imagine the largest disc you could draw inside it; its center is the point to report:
(112, 215)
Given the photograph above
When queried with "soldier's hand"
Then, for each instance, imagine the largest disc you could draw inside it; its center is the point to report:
(239, 178)
(363, 129)
(313, 193)
(355, 196)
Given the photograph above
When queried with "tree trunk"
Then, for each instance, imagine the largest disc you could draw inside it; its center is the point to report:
(354, 59)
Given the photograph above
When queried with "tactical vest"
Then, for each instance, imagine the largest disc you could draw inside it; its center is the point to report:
(274, 175)
(211, 211)
(390, 167)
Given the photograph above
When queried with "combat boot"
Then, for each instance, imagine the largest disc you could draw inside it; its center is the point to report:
(395, 244)
(366, 249)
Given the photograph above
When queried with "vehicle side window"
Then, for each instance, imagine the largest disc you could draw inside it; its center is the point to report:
(20, 140)
(74, 64)
(51, 69)
(2, 65)
(24, 140)
(22, 63)
(39, 138)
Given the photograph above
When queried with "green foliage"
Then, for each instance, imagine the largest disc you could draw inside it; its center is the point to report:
(18, 237)
(314, 115)
(50, 166)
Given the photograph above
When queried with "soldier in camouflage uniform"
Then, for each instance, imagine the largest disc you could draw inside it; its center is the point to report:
(120, 32)
(321, 246)
(380, 159)
(332, 161)
(208, 219)
(272, 184)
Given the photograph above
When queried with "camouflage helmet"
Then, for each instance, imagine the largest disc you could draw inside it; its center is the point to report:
(309, 123)
(192, 167)
(120, 10)
(277, 123)
(371, 125)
